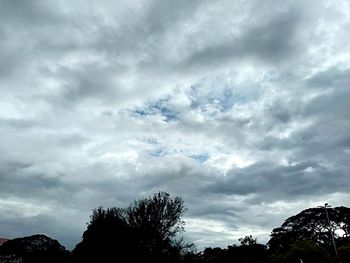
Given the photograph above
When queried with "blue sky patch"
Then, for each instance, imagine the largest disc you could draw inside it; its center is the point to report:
(200, 157)
(161, 107)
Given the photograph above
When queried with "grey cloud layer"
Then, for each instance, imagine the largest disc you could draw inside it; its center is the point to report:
(239, 107)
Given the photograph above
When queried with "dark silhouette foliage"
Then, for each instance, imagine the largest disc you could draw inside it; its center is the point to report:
(305, 251)
(312, 224)
(344, 253)
(159, 215)
(248, 251)
(107, 237)
(143, 232)
(248, 241)
(213, 254)
(34, 249)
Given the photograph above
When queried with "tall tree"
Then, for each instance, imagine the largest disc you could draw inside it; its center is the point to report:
(156, 220)
(106, 238)
(159, 214)
(312, 224)
(144, 231)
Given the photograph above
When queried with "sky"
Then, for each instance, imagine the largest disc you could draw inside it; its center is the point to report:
(239, 107)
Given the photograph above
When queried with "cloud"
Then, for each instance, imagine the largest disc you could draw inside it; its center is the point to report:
(240, 108)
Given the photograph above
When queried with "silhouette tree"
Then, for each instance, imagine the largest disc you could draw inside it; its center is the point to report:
(213, 255)
(249, 250)
(157, 220)
(145, 231)
(248, 241)
(312, 224)
(107, 237)
(33, 249)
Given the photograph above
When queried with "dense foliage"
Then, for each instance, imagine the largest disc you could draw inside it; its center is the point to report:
(33, 249)
(143, 232)
(312, 224)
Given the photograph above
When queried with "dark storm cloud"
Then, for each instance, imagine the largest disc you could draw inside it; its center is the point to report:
(330, 78)
(324, 106)
(271, 41)
(18, 123)
(24, 13)
(22, 23)
(11, 167)
(272, 182)
(24, 181)
(164, 14)
(282, 113)
(90, 81)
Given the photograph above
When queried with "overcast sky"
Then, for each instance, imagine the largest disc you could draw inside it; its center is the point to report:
(242, 108)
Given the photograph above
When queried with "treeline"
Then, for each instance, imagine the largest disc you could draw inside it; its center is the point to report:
(149, 230)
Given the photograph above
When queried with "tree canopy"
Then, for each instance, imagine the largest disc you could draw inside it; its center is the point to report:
(312, 224)
(33, 249)
(144, 231)
(159, 215)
